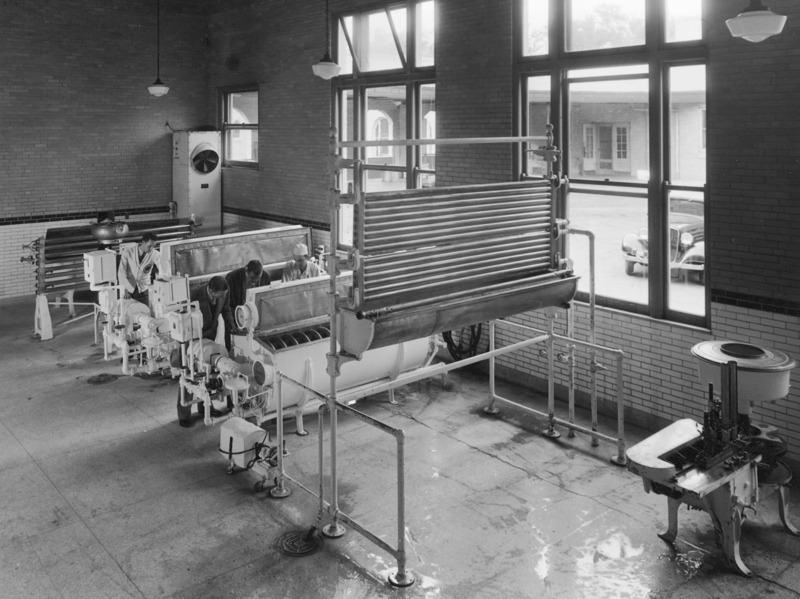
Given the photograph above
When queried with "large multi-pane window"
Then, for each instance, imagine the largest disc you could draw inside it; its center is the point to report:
(240, 127)
(623, 83)
(386, 93)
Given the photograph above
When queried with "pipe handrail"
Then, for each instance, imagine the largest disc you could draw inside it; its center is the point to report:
(397, 552)
(617, 353)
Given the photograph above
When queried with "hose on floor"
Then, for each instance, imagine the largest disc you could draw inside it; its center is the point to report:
(464, 342)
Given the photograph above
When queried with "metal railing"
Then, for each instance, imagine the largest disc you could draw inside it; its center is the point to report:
(403, 577)
(549, 352)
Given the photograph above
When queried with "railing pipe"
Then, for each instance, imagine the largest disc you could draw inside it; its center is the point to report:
(333, 529)
(556, 419)
(402, 576)
(571, 360)
(617, 354)
(492, 361)
(279, 490)
(620, 458)
(418, 375)
(592, 331)
(551, 392)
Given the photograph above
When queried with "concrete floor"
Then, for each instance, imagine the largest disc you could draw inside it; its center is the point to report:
(104, 495)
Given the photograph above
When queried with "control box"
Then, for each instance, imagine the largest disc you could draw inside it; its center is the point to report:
(100, 268)
(168, 295)
(106, 300)
(185, 325)
(238, 438)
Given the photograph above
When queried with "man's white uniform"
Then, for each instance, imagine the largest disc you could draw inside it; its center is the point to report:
(300, 267)
(134, 274)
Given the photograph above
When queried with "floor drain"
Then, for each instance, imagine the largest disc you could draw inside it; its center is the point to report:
(99, 379)
(300, 542)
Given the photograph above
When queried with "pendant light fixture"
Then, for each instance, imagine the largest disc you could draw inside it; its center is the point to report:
(326, 68)
(756, 23)
(158, 89)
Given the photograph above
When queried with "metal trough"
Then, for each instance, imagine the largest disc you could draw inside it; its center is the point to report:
(219, 254)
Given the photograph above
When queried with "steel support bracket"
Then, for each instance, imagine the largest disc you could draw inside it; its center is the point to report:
(335, 362)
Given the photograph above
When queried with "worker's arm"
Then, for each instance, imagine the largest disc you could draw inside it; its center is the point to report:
(227, 314)
(157, 266)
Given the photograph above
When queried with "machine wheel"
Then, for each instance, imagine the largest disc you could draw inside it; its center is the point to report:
(628, 267)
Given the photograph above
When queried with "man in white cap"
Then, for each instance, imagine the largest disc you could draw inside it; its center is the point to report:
(301, 267)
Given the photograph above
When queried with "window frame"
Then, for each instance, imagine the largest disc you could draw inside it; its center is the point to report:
(226, 127)
(358, 83)
(659, 55)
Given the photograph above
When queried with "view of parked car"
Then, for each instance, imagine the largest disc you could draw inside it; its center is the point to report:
(687, 248)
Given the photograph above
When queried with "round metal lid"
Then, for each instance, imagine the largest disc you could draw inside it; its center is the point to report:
(746, 356)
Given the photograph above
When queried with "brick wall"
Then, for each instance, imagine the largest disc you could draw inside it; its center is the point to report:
(754, 158)
(474, 89)
(274, 45)
(79, 132)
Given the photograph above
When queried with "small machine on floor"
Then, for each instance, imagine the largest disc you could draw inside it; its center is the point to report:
(727, 464)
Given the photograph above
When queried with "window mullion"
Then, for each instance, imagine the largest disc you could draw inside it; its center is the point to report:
(349, 40)
(658, 238)
(396, 37)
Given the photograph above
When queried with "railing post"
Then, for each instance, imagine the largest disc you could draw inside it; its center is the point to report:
(280, 490)
(491, 408)
(551, 374)
(620, 459)
(403, 577)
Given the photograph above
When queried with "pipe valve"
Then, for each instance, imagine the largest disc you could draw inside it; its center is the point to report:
(595, 366)
(560, 227)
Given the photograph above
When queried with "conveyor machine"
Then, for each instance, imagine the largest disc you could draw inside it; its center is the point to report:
(141, 333)
(289, 332)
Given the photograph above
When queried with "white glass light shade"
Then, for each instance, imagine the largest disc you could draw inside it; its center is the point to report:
(326, 68)
(756, 25)
(158, 89)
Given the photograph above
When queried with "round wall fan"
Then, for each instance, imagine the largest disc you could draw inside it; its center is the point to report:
(204, 158)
